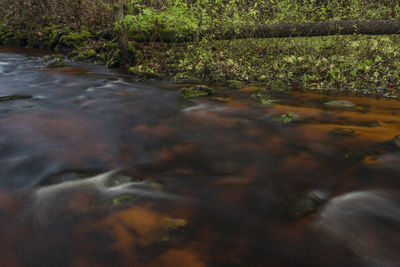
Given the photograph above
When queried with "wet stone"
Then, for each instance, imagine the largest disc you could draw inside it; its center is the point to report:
(13, 97)
(344, 132)
(396, 141)
(340, 104)
(195, 91)
(263, 95)
(56, 63)
(233, 84)
(288, 118)
(306, 204)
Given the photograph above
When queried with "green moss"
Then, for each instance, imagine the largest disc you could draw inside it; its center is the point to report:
(262, 95)
(85, 54)
(288, 118)
(195, 91)
(58, 56)
(56, 63)
(233, 84)
(186, 78)
(74, 39)
(143, 72)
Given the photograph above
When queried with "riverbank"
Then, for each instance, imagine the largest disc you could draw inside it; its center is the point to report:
(345, 64)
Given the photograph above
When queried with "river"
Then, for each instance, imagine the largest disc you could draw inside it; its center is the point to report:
(214, 181)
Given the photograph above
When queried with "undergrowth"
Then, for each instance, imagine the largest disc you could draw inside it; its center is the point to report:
(366, 64)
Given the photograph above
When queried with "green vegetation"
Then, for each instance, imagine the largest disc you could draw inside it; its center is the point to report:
(195, 91)
(233, 84)
(262, 95)
(353, 64)
(288, 118)
(56, 63)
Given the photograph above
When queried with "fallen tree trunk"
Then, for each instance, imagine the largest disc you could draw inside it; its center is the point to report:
(345, 27)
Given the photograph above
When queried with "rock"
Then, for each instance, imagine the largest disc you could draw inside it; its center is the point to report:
(340, 104)
(185, 78)
(195, 91)
(263, 96)
(58, 56)
(13, 97)
(306, 203)
(56, 63)
(89, 54)
(143, 73)
(318, 197)
(344, 131)
(233, 84)
(288, 118)
(396, 141)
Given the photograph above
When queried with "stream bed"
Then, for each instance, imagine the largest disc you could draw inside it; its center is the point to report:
(222, 180)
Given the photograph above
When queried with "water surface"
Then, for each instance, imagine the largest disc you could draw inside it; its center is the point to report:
(216, 181)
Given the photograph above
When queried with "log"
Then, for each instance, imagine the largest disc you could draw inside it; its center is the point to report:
(325, 28)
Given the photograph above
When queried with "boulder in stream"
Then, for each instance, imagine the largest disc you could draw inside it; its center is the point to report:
(56, 63)
(195, 91)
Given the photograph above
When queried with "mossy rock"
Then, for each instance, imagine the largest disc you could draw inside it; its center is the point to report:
(263, 96)
(74, 39)
(56, 63)
(13, 97)
(396, 141)
(143, 72)
(299, 205)
(234, 84)
(58, 56)
(309, 203)
(185, 78)
(289, 117)
(195, 91)
(85, 55)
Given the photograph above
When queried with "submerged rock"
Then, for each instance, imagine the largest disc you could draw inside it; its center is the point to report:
(56, 63)
(195, 91)
(396, 141)
(288, 118)
(305, 204)
(263, 96)
(344, 131)
(233, 84)
(340, 104)
(13, 97)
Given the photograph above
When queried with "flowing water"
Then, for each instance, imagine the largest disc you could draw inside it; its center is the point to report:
(216, 181)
